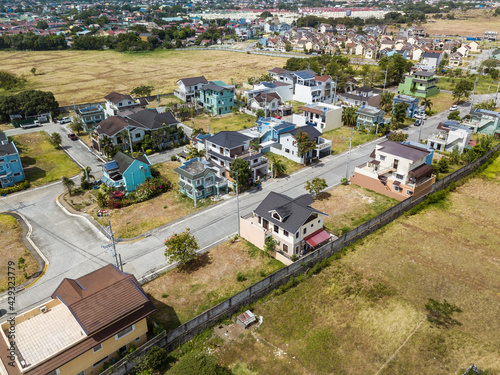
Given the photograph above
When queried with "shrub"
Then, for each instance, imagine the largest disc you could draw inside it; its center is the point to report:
(173, 158)
(17, 187)
(155, 359)
(149, 151)
(151, 188)
(344, 181)
(294, 257)
(240, 277)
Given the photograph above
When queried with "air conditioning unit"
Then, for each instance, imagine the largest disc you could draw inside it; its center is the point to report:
(43, 309)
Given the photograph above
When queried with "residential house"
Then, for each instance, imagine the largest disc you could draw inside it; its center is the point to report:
(126, 173)
(464, 50)
(455, 59)
(117, 103)
(369, 116)
(281, 75)
(431, 60)
(361, 96)
(292, 223)
(396, 170)
(474, 46)
(421, 84)
(217, 98)
(224, 147)
(450, 134)
(198, 179)
(11, 168)
(269, 130)
(484, 121)
(189, 87)
(313, 88)
(90, 116)
(88, 322)
(324, 117)
(268, 102)
(490, 36)
(284, 90)
(286, 145)
(411, 102)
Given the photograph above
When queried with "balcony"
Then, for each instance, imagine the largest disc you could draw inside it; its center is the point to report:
(323, 143)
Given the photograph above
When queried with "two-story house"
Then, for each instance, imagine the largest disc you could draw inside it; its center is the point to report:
(322, 116)
(369, 116)
(421, 84)
(11, 169)
(88, 322)
(117, 103)
(126, 173)
(292, 223)
(396, 170)
(287, 146)
(217, 98)
(198, 179)
(311, 88)
(224, 147)
(189, 87)
(484, 121)
(90, 116)
(268, 102)
(361, 96)
(412, 104)
(450, 134)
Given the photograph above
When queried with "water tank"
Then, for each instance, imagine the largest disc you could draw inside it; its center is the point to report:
(348, 13)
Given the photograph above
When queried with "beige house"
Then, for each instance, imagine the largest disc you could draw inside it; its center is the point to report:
(87, 323)
(292, 223)
(396, 170)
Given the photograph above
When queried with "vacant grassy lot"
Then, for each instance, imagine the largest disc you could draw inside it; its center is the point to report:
(441, 102)
(180, 295)
(42, 162)
(290, 165)
(485, 84)
(365, 314)
(227, 122)
(87, 76)
(340, 145)
(350, 206)
(11, 250)
(142, 217)
(471, 23)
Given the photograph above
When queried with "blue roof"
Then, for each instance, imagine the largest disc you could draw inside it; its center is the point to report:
(110, 166)
(304, 75)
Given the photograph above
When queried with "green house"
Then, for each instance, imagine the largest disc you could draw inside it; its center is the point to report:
(217, 98)
(420, 84)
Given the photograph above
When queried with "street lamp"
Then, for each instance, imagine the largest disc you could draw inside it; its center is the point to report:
(348, 154)
(237, 203)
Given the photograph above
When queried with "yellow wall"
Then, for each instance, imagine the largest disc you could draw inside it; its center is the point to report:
(109, 348)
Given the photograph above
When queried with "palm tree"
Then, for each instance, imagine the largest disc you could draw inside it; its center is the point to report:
(349, 116)
(55, 139)
(427, 104)
(68, 184)
(88, 174)
(278, 166)
(386, 100)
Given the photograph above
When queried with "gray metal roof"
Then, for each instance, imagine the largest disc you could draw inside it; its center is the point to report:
(229, 139)
(193, 80)
(294, 212)
(151, 119)
(214, 87)
(403, 151)
(310, 130)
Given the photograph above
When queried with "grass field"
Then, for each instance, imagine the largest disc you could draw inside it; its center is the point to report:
(42, 162)
(180, 295)
(290, 165)
(441, 102)
(340, 145)
(11, 250)
(87, 76)
(365, 314)
(227, 122)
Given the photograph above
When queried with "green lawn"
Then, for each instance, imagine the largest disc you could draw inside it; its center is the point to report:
(485, 84)
(296, 105)
(42, 162)
(441, 102)
(228, 122)
(290, 165)
(340, 145)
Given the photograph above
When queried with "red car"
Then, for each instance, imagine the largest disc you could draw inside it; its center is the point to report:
(72, 136)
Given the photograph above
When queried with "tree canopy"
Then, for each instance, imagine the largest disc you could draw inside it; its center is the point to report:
(242, 168)
(181, 247)
(27, 103)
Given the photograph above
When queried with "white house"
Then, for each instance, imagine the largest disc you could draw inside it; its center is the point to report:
(448, 135)
(117, 104)
(189, 87)
(313, 89)
(322, 116)
(284, 90)
(269, 102)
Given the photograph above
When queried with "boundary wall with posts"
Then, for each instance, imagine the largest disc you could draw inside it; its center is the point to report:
(212, 316)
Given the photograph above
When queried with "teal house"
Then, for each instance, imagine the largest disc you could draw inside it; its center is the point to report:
(126, 173)
(217, 98)
(11, 169)
(421, 84)
(198, 179)
(369, 116)
(484, 121)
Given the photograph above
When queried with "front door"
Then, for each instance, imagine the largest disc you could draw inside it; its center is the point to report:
(396, 161)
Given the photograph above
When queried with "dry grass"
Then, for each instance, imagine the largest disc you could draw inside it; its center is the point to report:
(87, 76)
(441, 102)
(11, 250)
(227, 122)
(355, 315)
(180, 295)
(42, 162)
(340, 144)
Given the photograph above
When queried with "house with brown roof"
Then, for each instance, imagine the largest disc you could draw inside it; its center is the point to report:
(396, 170)
(116, 103)
(88, 322)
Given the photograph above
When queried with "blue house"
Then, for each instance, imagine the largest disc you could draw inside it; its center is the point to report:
(11, 169)
(269, 129)
(217, 97)
(126, 173)
(411, 101)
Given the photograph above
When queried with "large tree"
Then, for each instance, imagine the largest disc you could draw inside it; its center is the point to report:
(27, 103)
(181, 247)
(142, 91)
(315, 185)
(462, 89)
(242, 168)
(386, 100)
(399, 115)
(68, 184)
(349, 116)
(304, 144)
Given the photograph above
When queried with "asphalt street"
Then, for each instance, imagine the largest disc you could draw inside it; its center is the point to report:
(73, 246)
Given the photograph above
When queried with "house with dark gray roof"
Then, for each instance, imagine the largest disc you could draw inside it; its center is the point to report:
(224, 147)
(292, 223)
(189, 87)
(217, 98)
(397, 170)
(126, 173)
(11, 168)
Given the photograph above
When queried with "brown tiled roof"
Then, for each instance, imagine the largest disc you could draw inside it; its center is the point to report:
(277, 70)
(115, 97)
(322, 78)
(312, 110)
(113, 125)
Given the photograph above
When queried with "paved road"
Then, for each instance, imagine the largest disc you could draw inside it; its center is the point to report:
(73, 245)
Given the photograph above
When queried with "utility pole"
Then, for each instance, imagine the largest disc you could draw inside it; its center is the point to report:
(335, 91)
(385, 79)
(348, 154)
(237, 202)
(118, 258)
(158, 96)
(473, 92)
(496, 95)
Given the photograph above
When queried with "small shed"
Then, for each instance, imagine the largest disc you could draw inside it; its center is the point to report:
(246, 319)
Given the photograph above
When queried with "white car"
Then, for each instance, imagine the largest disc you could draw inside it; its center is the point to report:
(454, 108)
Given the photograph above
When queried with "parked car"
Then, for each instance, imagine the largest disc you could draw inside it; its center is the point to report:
(418, 122)
(65, 120)
(72, 136)
(454, 108)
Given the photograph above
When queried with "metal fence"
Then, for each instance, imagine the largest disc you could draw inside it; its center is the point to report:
(225, 309)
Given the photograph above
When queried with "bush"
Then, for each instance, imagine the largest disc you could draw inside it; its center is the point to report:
(344, 181)
(173, 158)
(17, 187)
(294, 257)
(155, 359)
(240, 277)
(196, 363)
(149, 151)
(151, 188)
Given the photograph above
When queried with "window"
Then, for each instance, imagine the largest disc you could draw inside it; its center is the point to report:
(304, 231)
(81, 373)
(138, 135)
(276, 229)
(297, 235)
(97, 348)
(382, 157)
(101, 361)
(297, 248)
(13, 161)
(396, 188)
(287, 150)
(285, 248)
(124, 332)
(319, 221)
(276, 216)
(17, 174)
(399, 176)
(285, 233)
(409, 192)
(138, 338)
(123, 349)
